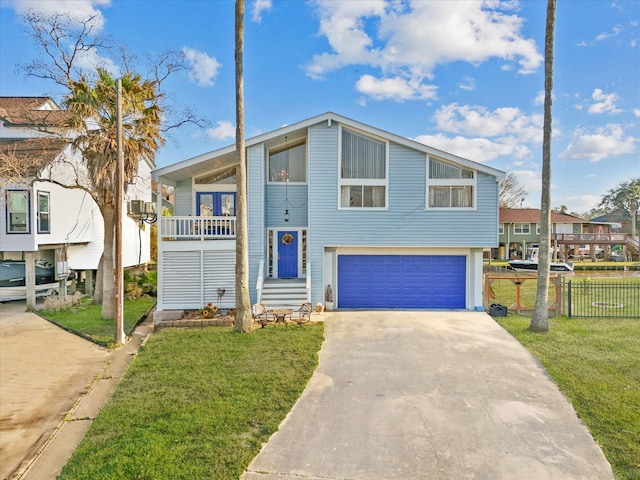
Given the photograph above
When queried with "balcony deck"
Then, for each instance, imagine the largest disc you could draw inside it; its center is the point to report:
(197, 228)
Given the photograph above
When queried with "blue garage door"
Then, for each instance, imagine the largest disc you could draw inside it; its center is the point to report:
(401, 281)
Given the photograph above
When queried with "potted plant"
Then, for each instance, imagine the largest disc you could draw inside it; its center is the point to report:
(328, 299)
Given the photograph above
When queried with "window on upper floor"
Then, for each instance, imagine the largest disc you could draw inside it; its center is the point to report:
(522, 228)
(363, 171)
(449, 186)
(18, 211)
(501, 229)
(288, 165)
(43, 213)
(537, 229)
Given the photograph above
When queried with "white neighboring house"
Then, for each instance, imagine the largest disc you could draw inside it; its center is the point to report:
(47, 231)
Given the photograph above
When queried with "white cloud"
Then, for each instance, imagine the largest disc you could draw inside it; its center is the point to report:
(477, 149)
(395, 88)
(88, 61)
(604, 142)
(408, 40)
(604, 103)
(614, 33)
(468, 84)
(223, 131)
(475, 120)
(76, 9)
(260, 6)
(636, 112)
(577, 203)
(530, 180)
(204, 68)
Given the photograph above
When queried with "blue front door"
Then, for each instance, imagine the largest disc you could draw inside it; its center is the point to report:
(287, 254)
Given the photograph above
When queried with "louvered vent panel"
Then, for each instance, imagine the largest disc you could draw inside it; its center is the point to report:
(181, 275)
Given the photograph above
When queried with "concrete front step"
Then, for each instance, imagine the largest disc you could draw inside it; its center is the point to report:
(284, 293)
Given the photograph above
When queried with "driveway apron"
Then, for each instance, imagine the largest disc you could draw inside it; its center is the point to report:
(437, 395)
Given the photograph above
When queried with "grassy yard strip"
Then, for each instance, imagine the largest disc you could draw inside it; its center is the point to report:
(198, 403)
(595, 364)
(86, 319)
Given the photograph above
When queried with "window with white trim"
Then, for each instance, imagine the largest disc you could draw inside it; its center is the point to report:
(43, 213)
(537, 229)
(501, 229)
(522, 228)
(18, 211)
(363, 171)
(449, 186)
(288, 165)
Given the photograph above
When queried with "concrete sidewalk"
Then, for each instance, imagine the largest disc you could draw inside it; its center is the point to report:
(438, 395)
(52, 386)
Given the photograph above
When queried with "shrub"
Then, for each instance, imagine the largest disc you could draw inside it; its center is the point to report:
(55, 303)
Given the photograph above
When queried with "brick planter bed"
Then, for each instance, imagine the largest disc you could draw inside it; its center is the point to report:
(194, 319)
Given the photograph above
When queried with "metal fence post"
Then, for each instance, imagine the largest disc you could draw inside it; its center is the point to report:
(569, 298)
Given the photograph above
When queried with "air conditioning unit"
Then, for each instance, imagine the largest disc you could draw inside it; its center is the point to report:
(136, 207)
(149, 207)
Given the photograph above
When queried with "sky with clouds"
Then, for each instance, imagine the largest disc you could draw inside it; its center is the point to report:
(466, 77)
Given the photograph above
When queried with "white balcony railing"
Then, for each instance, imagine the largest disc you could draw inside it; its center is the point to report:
(197, 228)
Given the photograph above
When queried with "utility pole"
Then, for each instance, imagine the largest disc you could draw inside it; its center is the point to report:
(119, 194)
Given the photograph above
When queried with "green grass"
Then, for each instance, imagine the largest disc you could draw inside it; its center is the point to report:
(595, 363)
(198, 403)
(86, 319)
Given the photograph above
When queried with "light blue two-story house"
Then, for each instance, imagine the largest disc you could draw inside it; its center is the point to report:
(388, 222)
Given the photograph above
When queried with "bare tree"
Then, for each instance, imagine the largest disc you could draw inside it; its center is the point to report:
(63, 40)
(66, 42)
(540, 317)
(243, 319)
(511, 193)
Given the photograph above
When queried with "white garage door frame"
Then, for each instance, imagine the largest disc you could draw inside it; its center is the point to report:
(473, 296)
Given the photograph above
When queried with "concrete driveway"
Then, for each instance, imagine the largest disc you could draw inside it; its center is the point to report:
(438, 395)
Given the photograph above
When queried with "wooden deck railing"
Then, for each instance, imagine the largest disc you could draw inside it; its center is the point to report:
(197, 228)
(595, 238)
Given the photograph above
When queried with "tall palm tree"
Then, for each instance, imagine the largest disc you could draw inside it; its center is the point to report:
(243, 318)
(92, 109)
(540, 317)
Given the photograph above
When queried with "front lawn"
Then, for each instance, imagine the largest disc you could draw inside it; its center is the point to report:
(86, 319)
(596, 365)
(198, 403)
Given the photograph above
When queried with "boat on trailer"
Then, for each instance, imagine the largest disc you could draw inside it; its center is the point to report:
(530, 263)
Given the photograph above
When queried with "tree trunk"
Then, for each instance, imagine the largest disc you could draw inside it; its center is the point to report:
(540, 317)
(243, 319)
(97, 290)
(108, 279)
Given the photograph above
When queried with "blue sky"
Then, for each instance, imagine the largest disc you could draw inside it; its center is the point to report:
(462, 76)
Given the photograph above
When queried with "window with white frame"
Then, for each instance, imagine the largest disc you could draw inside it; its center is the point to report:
(522, 228)
(363, 171)
(449, 186)
(501, 229)
(43, 213)
(537, 229)
(18, 211)
(288, 165)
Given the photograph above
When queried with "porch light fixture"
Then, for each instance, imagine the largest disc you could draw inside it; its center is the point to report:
(286, 182)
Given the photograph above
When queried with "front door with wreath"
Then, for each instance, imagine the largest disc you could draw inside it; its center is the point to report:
(287, 254)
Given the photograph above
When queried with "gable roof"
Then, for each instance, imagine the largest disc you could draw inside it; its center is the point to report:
(36, 152)
(225, 157)
(31, 112)
(532, 215)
